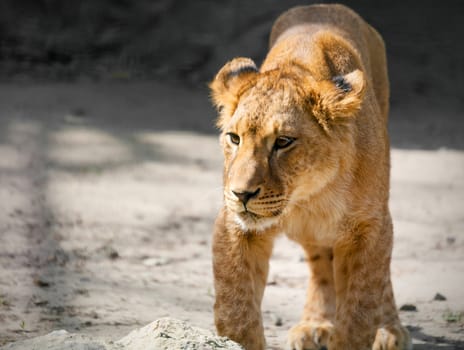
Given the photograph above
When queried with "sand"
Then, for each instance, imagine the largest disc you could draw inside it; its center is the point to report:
(108, 193)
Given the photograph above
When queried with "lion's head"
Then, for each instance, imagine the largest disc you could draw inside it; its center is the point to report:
(284, 135)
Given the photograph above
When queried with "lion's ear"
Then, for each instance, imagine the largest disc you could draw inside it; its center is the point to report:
(340, 97)
(229, 84)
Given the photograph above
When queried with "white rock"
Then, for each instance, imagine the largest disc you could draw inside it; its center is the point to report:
(172, 334)
(163, 334)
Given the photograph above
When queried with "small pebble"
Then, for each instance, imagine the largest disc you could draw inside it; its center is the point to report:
(113, 255)
(81, 291)
(277, 320)
(41, 283)
(40, 302)
(439, 297)
(408, 307)
(110, 252)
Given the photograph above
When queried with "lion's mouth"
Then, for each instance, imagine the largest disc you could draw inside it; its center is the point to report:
(256, 215)
(249, 215)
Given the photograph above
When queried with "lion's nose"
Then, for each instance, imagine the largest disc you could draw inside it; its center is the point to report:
(245, 196)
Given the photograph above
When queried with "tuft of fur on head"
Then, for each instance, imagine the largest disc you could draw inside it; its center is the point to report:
(337, 98)
(229, 84)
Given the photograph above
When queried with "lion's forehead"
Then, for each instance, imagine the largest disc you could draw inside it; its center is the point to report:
(266, 112)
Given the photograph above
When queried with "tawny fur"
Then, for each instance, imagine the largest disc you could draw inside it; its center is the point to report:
(323, 88)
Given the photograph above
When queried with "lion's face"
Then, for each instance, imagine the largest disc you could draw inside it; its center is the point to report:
(275, 148)
(268, 143)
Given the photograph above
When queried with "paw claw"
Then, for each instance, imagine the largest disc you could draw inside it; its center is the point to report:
(309, 335)
(392, 338)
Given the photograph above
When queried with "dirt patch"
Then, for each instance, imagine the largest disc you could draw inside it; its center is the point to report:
(107, 201)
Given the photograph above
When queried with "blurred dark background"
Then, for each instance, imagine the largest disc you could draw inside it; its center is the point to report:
(188, 41)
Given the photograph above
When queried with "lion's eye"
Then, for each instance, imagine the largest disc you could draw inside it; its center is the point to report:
(283, 142)
(234, 138)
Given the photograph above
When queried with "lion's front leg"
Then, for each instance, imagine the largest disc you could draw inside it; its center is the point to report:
(391, 335)
(361, 270)
(240, 265)
(315, 327)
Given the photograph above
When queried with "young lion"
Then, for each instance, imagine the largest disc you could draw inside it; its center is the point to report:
(306, 153)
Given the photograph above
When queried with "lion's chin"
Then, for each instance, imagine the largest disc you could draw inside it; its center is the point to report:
(252, 222)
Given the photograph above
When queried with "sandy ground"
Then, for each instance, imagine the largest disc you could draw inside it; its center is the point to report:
(108, 193)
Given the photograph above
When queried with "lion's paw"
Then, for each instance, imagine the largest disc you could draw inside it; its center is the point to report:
(392, 338)
(309, 335)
